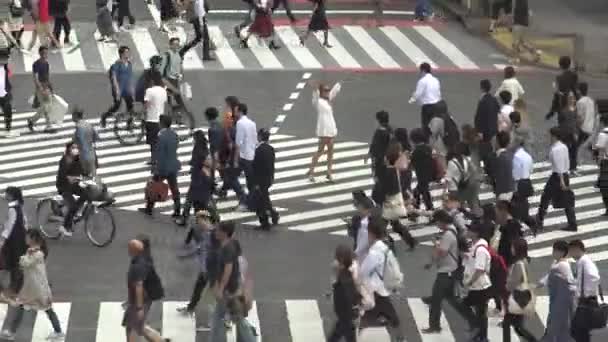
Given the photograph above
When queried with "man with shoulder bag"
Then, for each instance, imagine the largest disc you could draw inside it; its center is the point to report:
(590, 314)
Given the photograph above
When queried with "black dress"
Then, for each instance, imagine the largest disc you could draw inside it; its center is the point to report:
(318, 20)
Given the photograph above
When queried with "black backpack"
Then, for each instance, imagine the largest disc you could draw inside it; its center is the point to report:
(451, 133)
(153, 285)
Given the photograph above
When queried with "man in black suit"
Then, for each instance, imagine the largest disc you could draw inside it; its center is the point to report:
(486, 118)
(565, 83)
(263, 177)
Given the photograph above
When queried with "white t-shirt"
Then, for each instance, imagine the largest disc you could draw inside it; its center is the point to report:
(478, 259)
(156, 98)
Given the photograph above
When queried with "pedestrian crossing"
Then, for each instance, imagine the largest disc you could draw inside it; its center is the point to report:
(30, 161)
(354, 47)
(292, 320)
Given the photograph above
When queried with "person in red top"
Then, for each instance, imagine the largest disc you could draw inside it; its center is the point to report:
(41, 17)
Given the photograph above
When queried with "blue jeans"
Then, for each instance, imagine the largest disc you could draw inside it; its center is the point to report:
(244, 332)
(423, 9)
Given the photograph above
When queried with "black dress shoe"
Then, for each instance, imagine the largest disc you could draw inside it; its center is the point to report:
(431, 331)
(208, 58)
(275, 216)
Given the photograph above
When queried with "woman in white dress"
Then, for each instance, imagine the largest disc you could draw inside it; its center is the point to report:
(322, 97)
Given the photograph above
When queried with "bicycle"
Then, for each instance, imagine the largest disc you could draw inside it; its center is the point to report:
(90, 213)
(130, 128)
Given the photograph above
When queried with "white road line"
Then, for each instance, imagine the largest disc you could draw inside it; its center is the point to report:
(420, 312)
(591, 242)
(280, 118)
(263, 54)
(230, 11)
(224, 52)
(374, 334)
(3, 311)
(254, 319)
(176, 326)
(155, 13)
(107, 51)
(192, 61)
(305, 323)
(319, 225)
(72, 61)
(406, 46)
(29, 58)
(109, 322)
(542, 309)
(299, 52)
(42, 325)
(339, 53)
(371, 47)
(294, 96)
(144, 45)
(446, 47)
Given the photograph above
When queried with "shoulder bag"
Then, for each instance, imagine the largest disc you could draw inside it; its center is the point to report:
(522, 300)
(393, 207)
(590, 314)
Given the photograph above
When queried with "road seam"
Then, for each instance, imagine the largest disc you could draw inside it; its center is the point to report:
(278, 121)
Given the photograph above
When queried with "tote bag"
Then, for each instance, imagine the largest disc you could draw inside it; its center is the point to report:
(522, 300)
(393, 207)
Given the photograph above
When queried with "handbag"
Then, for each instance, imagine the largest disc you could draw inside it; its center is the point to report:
(522, 300)
(157, 190)
(589, 314)
(393, 207)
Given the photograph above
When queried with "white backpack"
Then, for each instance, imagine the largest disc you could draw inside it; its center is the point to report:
(392, 277)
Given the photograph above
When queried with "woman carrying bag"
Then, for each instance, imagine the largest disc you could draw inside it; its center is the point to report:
(521, 299)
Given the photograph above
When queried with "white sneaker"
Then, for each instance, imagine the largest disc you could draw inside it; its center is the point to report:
(56, 336)
(7, 335)
(65, 232)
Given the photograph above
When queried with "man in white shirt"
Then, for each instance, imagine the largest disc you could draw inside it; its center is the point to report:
(246, 141)
(155, 99)
(477, 282)
(557, 187)
(523, 164)
(370, 272)
(427, 94)
(587, 285)
(585, 110)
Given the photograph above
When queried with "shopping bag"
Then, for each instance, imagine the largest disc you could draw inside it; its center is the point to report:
(186, 90)
(59, 109)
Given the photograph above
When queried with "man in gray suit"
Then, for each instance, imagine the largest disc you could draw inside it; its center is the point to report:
(85, 137)
(166, 165)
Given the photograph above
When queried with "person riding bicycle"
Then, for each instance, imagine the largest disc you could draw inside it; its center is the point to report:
(68, 177)
(172, 71)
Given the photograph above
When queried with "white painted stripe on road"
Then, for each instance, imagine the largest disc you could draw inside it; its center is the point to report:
(598, 256)
(305, 322)
(371, 47)
(542, 309)
(263, 54)
(42, 325)
(306, 215)
(230, 11)
(591, 242)
(300, 53)
(192, 60)
(224, 52)
(177, 326)
(73, 60)
(407, 46)
(420, 312)
(29, 58)
(374, 334)
(254, 319)
(319, 225)
(144, 45)
(446, 47)
(3, 311)
(155, 13)
(305, 161)
(338, 52)
(107, 51)
(109, 322)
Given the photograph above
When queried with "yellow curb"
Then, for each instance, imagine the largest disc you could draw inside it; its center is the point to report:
(548, 46)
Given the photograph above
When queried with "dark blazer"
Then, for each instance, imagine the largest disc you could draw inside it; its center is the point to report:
(263, 165)
(567, 81)
(486, 118)
(166, 153)
(422, 161)
(503, 173)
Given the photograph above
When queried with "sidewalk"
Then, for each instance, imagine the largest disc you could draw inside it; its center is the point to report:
(554, 24)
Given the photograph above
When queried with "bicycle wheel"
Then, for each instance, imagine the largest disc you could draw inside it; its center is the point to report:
(129, 129)
(183, 123)
(49, 218)
(99, 225)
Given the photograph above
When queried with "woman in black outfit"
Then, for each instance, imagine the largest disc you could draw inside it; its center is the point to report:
(346, 297)
(377, 151)
(318, 22)
(390, 185)
(422, 161)
(12, 240)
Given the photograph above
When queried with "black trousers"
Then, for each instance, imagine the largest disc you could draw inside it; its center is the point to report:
(422, 189)
(582, 334)
(426, 115)
(384, 308)
(62, 23)
(344, 329)
(551, 191)
(517, 322)
(117, 101)
(475, 311)
(405, 234)
(199, 286)
(178, 97)
(201, 33)
(172, 181)
(443, 288)
(263, 204)
(7, 111)
(72, 204)
(287, 7)
(124, 10)
(604, 193)
(16, 279)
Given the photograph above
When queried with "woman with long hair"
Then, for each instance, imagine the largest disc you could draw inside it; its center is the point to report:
(318, 22)
(322, 98)
(262, 25)
(12, 240)
(346, 297)
(36, 292)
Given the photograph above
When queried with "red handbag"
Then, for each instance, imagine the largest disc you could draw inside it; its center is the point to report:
(157, 190)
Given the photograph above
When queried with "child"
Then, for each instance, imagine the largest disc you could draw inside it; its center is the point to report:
(35, 293)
